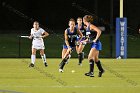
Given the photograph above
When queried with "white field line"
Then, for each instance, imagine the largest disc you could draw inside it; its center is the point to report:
(72, 86)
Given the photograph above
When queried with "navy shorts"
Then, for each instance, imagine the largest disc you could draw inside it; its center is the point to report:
(97, 45)
(66, 47)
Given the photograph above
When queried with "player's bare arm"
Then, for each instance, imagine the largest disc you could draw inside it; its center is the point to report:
(94, 28)
(31, 36)
(66, 39)
(80, 34)
(45, 34)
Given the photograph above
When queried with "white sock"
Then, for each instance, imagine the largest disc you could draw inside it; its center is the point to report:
(44, 58)
(33, 57)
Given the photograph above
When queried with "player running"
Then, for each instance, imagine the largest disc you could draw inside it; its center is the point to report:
(80, 46)
(94, 34)
(70, 36)
(37, 34)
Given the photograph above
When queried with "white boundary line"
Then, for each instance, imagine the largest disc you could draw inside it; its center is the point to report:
(73, 86)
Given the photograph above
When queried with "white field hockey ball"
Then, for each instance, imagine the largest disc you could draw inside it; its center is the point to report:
(72, 71)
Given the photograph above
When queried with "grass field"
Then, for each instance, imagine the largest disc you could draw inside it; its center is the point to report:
(121, 76)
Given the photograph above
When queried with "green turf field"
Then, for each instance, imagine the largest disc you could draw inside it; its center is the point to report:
(121, 76)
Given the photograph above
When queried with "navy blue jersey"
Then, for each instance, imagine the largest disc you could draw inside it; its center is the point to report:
(72, 36)
(82, 29)
(91, 34)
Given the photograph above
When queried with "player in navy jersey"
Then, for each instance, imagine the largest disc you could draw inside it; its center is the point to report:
(94, 33)
(80, 46)
(70, 36)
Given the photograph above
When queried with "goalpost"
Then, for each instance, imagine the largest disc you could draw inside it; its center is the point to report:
(121, 8)
(121, 34)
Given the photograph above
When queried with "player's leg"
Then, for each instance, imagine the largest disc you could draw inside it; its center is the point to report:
(91, 63)
(33, 57)
(77, 46)
(79, 50)
(98, 63)
(64, 60)
(43, 56)
(64, 52)
(61, 65)
(80, 53)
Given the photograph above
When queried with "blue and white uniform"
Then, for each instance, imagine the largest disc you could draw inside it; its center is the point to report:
(92, 36)
(83, 31)
(72, 37)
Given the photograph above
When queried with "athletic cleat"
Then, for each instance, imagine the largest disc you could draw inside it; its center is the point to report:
(31, 65)
(45, 64)
(100, 73)
(89, 74)
(80, 64)
(61, 70)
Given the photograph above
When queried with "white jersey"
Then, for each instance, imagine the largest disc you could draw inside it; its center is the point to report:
(37, 42)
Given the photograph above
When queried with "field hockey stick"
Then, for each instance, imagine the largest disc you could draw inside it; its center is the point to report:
(24, 36)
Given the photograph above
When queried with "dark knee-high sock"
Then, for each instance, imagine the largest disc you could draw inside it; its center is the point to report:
(80, 56)
(99, 65)
(63, 62)
(91, 64)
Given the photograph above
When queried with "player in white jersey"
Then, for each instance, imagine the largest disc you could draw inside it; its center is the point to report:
(37, 34)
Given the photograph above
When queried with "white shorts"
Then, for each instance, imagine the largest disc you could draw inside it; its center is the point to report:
(38, 47)
(38, 44)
